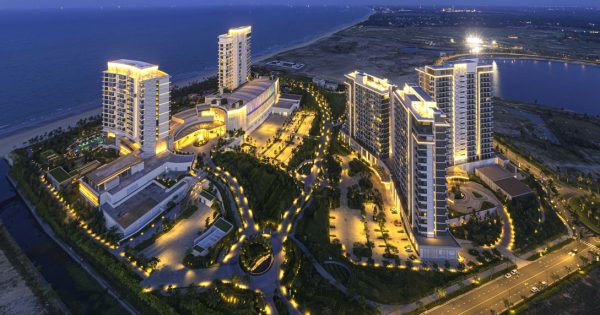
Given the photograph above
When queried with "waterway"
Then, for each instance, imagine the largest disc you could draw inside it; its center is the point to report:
(572, 86)
(74, 286)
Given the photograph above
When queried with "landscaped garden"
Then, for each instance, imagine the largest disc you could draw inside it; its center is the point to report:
(482, 231)
(270, 190)
(588, 210)
(256, 255)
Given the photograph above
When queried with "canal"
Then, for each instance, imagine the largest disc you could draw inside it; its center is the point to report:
(80, 292)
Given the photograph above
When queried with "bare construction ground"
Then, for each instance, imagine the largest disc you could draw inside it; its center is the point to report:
(566, 142)
(394, 52)
(16, 297)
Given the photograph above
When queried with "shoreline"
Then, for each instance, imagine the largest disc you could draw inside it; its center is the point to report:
(14, 140)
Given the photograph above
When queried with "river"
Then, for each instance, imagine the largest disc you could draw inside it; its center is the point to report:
(74, 286)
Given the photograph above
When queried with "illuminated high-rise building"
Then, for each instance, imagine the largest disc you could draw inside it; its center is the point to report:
(419, 159)
(135, 106)
(463, 91)
(368, 112)
(234, 58)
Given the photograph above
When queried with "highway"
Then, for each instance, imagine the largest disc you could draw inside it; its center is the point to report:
(499, 294)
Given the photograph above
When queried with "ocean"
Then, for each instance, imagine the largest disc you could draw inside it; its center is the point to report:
(51, 61)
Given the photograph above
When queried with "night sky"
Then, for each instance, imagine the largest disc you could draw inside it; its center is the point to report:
(26, 4)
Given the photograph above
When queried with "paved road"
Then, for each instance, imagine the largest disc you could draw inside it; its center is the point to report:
(497, 295)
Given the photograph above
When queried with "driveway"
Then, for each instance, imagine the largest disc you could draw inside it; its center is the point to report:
(171, 247)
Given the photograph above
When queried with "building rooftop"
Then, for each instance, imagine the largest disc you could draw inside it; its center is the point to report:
(138, 204)
(237, 30)
(495, 173)
(377, 84)
(182, 133)
(214, 234)
(285, 104)
(249, 91)
(417, 101)
(134, 63)
(114, 168)
(151, 164)
(445, 240)
(140, 69)
(513, 187)
(293, 97)
(208, 195)
(59, 174)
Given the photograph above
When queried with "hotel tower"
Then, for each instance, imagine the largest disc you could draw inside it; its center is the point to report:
(463, 92)
(419, 159)
(234, 58)
(368, 113)
(135, 106)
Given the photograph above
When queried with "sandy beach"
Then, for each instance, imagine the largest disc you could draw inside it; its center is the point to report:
(19, 139)
(11, 142)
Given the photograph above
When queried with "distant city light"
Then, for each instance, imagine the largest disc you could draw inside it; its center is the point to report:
(474, 43)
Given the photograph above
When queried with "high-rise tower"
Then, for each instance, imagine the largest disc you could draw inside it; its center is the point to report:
(463, 91)
(135, 105)
(368, 112)
(419, 159)
(234, 58)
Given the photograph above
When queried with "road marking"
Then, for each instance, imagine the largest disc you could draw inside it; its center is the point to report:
(510, 288)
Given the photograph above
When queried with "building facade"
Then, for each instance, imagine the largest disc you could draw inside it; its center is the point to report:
(419, 159)
(234, 58)
(135, 106)
(463, 92)
(368, 112)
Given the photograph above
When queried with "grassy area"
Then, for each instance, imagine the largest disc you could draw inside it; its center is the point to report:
(223, 298)
(312, 292)
(527, 213)
(180, 96)
(588, 210)
(550, 249)
(306, 151)
(337, 102)
(270, 191)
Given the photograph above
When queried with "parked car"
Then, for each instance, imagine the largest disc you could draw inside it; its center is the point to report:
(507, 276)
(514, 272)
(535, 290)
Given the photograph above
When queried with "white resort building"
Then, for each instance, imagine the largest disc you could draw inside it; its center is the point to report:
(368, 113)
(135, 120)
(234, 58)
(245, 108)
(463, 91)
(135, 106)
(419, 154)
